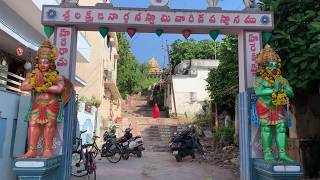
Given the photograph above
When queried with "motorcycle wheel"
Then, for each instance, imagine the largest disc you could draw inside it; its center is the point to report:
(125, 153)
(116, 156)
(178, 158)
(193, 156)
(139, 154)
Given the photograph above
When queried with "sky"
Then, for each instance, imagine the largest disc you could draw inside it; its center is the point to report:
(144, 46)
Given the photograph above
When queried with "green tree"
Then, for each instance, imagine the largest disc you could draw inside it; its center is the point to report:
(296, 38)
(223, 81)
(132, 77)
(128, 68)
(145, 68)
(145, 80)
(191, 49)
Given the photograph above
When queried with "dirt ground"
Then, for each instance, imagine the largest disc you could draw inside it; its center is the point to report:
(161, 166)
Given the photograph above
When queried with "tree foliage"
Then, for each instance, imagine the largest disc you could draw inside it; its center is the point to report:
(296, 38)
(223, 81)
(132, 77)
(144, 79)
(191, 49)
(127, 77)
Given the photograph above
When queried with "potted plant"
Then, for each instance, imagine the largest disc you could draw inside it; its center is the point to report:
(82, 99)
(88, 106)
(95, 102)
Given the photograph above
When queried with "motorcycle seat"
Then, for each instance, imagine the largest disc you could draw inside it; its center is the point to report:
(122, 140)
(136, 137)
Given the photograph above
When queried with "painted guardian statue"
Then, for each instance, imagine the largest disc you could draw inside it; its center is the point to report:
(272, 91)
(47, 87)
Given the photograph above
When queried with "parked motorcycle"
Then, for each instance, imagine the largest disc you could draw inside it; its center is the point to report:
(123, 143)
(130, 144)
(185, 143)
(110, 148)
(136, 146)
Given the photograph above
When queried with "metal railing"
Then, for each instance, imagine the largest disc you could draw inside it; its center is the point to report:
(10, 81)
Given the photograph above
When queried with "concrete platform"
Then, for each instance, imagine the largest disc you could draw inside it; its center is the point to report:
(266, 170)
(37, 168)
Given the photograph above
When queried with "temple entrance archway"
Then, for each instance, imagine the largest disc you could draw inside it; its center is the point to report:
(68, 18)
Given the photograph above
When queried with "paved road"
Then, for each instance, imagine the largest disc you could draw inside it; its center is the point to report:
(160, 166)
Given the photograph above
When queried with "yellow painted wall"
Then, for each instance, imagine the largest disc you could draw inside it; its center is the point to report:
(92, 72)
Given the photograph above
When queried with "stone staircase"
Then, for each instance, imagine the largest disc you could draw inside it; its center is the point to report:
(138, 106)
(156, 133)
(157, 137)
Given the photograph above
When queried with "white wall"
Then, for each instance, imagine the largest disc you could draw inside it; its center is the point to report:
(183, 86)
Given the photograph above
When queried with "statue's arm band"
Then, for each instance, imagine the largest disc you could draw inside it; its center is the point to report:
(263, 92)
(289, 91)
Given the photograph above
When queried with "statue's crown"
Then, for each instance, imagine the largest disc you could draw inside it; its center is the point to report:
(47, 51)
(267, 54)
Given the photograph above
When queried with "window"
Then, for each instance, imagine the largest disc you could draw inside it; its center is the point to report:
(83, 46)
(193, 96)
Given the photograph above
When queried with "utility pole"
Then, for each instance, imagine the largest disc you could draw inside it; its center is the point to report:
(170, 75)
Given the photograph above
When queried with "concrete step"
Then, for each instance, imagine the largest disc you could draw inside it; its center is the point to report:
(151, 138)
(157, 147)
(166, 132)
(151, 130)
(151, 134)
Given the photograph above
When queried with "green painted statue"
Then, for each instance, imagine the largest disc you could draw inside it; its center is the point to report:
(272, 92)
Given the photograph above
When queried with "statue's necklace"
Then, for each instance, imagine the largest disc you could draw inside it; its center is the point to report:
(48, 80)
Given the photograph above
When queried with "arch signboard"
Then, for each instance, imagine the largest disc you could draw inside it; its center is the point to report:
(68, 18)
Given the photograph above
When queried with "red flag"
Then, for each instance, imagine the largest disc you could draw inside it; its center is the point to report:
(155, 111)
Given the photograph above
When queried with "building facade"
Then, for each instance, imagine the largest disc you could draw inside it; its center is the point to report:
(185, 91)
(100, 75)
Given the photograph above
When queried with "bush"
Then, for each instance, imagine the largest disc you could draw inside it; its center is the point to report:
(206, 116)
(224, 135)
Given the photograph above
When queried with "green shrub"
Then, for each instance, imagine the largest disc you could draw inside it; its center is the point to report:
(206, 115)
(82, 99)
(224, 135)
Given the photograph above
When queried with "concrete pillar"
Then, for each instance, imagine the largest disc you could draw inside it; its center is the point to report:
(244, 140)
(236, 123)
(249, 44)
(66, 43)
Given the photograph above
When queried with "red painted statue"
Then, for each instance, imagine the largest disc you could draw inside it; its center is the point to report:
(46, 110)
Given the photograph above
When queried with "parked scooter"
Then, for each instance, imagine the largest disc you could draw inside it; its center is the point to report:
(136, 146)
(185, 143)
(131, 145)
